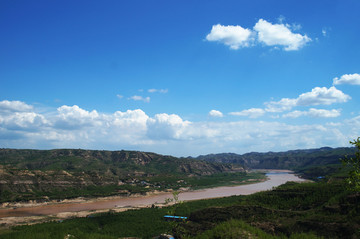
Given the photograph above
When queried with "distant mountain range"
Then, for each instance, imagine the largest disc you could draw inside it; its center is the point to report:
(108, 163)
(293, 159)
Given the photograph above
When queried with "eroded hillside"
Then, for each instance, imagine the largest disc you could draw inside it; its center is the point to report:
(62, 173)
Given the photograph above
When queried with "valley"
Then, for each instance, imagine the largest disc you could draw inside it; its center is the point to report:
(44, 187)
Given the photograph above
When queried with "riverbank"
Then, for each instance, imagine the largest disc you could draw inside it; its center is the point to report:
(189, 184)
(83, 207)
(292, 210)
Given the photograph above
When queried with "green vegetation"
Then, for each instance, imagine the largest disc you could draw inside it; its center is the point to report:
(293, 210)
(322, 172)
(354, 163)
(293, 159)
(234, 229)
(105, 164)
(324, 209)
(206, 181)
(141, 185)
(67, 173)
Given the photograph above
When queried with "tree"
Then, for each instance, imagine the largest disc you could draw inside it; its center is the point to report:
(354, 163)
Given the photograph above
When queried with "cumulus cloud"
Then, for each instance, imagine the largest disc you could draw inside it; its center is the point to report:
(129, 118)
(316, 113)
(28, 121)
(73, 117)
(322, 96)
(351, 79)
(140, 98)
(317, 96)
(215, 113)
(14, 106)
(233, 36)
(74, 127)
(17, 115)
(264, 32)
(279, 35)
(165, 126)
(162, 91)
(119, 96)
(251, 113)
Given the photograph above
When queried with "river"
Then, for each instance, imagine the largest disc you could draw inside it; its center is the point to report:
(275, 178)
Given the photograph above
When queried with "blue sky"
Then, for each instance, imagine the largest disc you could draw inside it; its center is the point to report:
(179, 77)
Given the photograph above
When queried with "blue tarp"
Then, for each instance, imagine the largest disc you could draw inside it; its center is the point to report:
(174, 217)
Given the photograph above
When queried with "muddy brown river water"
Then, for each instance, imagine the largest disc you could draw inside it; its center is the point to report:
(275, 178)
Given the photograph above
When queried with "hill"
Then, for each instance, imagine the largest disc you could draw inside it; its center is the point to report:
(293, 159)
(62, 173)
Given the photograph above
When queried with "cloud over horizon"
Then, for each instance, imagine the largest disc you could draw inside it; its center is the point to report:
(72, 126)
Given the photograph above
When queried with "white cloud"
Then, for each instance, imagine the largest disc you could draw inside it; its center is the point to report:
(75, 112)
(233, 36)
(251, 113)
(215, 113)
(164, 126)
(119, 96)
(27, 121)
(317, 96)
(322, 96)
(295, 114)
(279, 35)
(14, 106)
(17, 115)
(351, 79)
(280, 106)
(74, 127)
(73, 117)
(324, 113)
(162, 91)
(316, 113)
(140, 98)
(269, 34)
(130, 118)
(127, 127)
